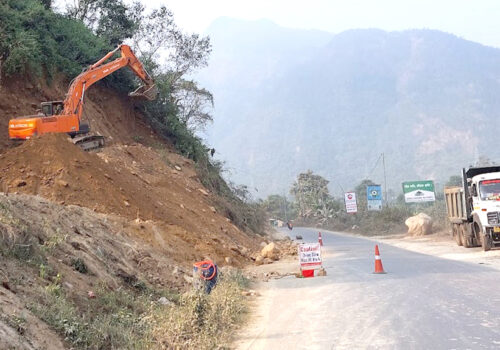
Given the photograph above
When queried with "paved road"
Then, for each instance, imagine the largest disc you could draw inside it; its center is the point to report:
(423, 302)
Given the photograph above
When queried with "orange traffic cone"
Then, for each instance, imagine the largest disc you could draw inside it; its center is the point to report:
(320, 239)
(378, 262)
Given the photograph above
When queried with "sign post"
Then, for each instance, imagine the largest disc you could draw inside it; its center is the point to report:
(351, 205)
(374, 197)
(309, 258)
(419, 191)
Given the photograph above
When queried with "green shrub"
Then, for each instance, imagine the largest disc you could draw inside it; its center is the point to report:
(37, 40)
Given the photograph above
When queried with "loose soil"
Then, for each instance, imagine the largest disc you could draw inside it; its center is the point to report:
(130, 181)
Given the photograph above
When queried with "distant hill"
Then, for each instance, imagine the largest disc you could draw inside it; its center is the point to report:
(289, 100)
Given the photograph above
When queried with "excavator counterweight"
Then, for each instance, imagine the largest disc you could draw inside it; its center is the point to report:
(66, 116)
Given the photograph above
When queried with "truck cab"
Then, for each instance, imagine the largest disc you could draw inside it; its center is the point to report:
(474, 208)
(485, 195)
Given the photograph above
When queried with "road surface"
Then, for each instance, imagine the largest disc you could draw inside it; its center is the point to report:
(423, 302)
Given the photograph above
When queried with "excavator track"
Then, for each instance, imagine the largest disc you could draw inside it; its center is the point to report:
(89, 142)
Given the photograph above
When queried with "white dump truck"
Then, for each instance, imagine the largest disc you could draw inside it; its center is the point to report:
(474, 208)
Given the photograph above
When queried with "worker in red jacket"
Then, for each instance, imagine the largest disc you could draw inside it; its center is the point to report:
(207, 272)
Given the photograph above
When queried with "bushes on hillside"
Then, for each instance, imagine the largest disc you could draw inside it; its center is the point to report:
(35, 40)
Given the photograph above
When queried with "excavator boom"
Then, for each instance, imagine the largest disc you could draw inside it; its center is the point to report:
(100, 70)
(66, 116)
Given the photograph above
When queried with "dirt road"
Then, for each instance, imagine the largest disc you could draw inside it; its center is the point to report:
(423, 302)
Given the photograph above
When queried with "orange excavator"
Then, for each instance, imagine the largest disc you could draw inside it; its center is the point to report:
(66, 116)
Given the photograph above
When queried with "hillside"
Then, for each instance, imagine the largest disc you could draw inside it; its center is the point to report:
(97, 248)
(133, 217)
(424, 98)
(129, 179)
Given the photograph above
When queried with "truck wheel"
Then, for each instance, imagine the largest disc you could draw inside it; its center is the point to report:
(457, 234)
(486, 242)
(466, 240)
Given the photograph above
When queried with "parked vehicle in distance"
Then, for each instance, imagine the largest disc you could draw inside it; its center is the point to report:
(474, 208)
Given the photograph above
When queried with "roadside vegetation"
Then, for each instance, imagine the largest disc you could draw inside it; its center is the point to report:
(313, 205)
(202, 321)
(134, 319)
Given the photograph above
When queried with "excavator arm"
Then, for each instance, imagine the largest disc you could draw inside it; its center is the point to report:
(73, 104)
(58, 116)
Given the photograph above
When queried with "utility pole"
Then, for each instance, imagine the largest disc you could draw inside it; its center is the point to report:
(284, 206)
(385, 181)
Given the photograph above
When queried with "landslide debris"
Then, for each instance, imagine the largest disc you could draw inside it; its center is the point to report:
(133, 182)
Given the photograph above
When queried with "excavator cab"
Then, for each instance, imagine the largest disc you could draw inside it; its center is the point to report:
(52, 108)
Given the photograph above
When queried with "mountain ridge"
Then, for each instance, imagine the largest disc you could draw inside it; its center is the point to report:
(409, 94)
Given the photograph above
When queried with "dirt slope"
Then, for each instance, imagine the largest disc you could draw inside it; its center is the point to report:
(133, 213)
(109, 113)
(118, 253)
(129, 181)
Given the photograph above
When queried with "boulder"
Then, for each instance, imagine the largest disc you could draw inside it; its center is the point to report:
(321, 272)
(270, 251)
(164, 301)
(244, 251)
(419, 225)
(259, 260)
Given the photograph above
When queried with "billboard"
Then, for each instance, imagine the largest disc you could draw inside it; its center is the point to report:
(374, 197)
(419, 191)
(350, 202)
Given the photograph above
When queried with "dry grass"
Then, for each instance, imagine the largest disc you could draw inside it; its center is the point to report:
(125, 320)
(201, 321)
(115, 320)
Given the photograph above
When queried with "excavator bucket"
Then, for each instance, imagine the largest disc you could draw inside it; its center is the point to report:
(149, 92)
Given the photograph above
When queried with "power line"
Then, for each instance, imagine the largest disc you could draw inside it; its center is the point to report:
(375, 166)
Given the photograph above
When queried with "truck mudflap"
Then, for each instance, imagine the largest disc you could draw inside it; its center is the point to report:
(495, 239)
(494, 236)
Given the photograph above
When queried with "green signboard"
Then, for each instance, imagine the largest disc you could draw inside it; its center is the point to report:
(419, 191)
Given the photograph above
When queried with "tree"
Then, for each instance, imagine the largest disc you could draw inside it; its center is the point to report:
(171, 55)
(156, 35)
(311, 193)
(194, 104)
(110, 19)
(454, 180)
(47, 4)
(279, 207)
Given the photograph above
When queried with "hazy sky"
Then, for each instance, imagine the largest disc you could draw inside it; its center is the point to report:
(477, 20)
